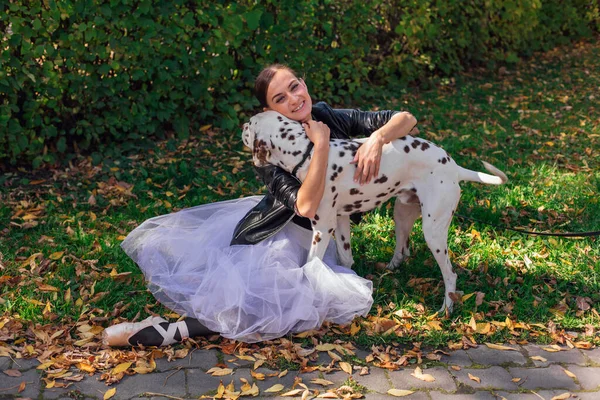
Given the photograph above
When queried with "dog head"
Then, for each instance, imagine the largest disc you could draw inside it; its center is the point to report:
(274, 139)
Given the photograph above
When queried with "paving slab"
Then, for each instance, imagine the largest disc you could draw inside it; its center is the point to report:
(32, 384)
(593, 355)
(169, 383)
(483, 355)
(90, 386)
(199, 382)
(490, 378)
(457, 357)
(588, 377)
(5, 363)
(204, 359)
(567, 356)
(381, 396)
(552, 377)
(533, 395)
(462, 396)
(376, 380)
(403, 380)
(23, 364)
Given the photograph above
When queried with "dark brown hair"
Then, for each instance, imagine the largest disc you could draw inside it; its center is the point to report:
(263, 80)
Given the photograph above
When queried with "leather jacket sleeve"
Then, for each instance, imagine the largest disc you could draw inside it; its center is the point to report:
(281, 184)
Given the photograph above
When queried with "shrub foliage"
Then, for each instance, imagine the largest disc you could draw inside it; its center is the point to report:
(88, 74)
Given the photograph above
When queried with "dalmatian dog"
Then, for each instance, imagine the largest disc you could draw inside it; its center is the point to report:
(422, 177)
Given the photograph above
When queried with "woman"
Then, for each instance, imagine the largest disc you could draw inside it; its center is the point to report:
(250, 281)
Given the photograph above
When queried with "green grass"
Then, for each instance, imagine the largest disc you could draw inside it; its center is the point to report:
(538, 123)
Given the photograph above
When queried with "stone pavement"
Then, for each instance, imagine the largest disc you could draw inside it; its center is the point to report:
(502, 374)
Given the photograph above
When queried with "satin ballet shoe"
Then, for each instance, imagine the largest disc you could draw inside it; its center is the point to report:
(153, 331)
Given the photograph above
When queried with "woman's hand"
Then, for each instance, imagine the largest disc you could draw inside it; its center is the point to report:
(317, 132)
(367, 159)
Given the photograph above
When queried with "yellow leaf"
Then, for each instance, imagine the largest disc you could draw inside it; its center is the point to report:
(247, 358)
(45, 365)
(354, 329)
(110, 393)
(121, 368)
(205, 128)
(552, 349)
(400, 392)
(538, 358)
(455, 367)
(334, 356)
(282, 373)
(346, 367)
(121, 237)
(499, 347)
(474, 378)
(92, 216)
(275, 388)
(435, 325)
(85, 367)
(473, 323)
(424, 377)
(294, 392)
(325, 347)
(322, 382)
(220, 391)
(253, 391)
(563, 396)
(57, 255)
(50, 385)
(467, 297)
(570, 374)
(47, 288)
(216, 371)
(257, 375)
(258, 363)
(328, 395)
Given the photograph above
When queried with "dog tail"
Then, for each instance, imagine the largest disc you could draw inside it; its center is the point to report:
(498, 178)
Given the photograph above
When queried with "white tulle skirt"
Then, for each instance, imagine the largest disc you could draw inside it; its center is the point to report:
(249, 293)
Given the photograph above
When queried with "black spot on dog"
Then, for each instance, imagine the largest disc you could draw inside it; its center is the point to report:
(286, 123)
(342, 154)
(429, 215)
(348, 207)
(414, 190)
(382, 195)
(343, 238)
(340, 169)
(403, 138)
(281, 129)
(415, 144)
(296, 153)
(334, 166)
(279, 118)
(346, 246)
(314, 243)
(444, 161)
(330, 230)
(333, 205)
(397, 183)
(437, 251)
(292, 137)
(316, 217)
(377, 203)
(336, 196)
(354, 191)
(333, 189)
(445, 251)
(318, 238)
(314, 222)
(406, 149)
(284, 135)
(383, 179)
(441, 181)
(424, 146)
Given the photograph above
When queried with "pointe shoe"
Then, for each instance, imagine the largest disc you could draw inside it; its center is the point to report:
(130, 333)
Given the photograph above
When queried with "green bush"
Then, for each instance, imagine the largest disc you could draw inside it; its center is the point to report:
(109, 75)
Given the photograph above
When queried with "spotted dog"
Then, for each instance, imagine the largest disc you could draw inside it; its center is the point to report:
(422, 177)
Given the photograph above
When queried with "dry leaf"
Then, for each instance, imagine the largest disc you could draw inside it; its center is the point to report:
(570, 374)
(455, 367)
(12, 372)
(253, 391)
(400, 392)
(22, 387)
(121, 368)
(110, 393)
(291, 393)
(346, 367)
(322, 382)
(257, 375)
(424, 377)
(328, 395)
(282, 373)
(275, 388)
(325, 347)
(563, 396)
(538, 358)
(516, 380)
(258, 363)
(364, 371)
(216, 371)
(334, 356)
(499, 347)
(474, 378)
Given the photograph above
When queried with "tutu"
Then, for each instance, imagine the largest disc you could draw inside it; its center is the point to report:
(250, 293)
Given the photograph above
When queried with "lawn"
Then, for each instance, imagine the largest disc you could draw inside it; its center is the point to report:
(62, 270)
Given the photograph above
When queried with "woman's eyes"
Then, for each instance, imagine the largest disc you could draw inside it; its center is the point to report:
(293, 88)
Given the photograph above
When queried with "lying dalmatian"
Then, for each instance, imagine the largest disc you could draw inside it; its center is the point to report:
(422, 177)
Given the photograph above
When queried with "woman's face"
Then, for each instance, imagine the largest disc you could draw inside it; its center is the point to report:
(289, 96)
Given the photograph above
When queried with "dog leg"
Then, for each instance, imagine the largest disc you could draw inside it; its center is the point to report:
(405, 216)
(320, 238)
(437, 215)
(342, 241)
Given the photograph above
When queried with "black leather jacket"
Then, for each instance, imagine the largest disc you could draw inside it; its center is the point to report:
(276, 209)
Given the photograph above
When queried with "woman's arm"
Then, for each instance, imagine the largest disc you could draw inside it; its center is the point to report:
(310, 193)
(368, 156)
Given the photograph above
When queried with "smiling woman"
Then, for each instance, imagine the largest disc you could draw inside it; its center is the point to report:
(239, 267)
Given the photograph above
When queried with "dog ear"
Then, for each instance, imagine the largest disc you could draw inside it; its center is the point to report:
(248, 136)
(260, 153)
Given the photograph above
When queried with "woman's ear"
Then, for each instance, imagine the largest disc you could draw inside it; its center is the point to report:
(266, 109)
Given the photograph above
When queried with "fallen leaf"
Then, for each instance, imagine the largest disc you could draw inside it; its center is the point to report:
(346, 367)
(322, 382)
(400, 392)
(499, 347)
(257, 375)
(216, 371)
(570, 374)
(282, 373)
(474, 378)
(455, 367)
(110, 393)
(275, 388)
(253, 391)
(420, 375)
(121, 368)
(538, 358)
(57, 255)
(364, 371)
(258, 363)
(294, 392)
(516, 380)
(563, 396)
(22, 387)
(12, 372)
